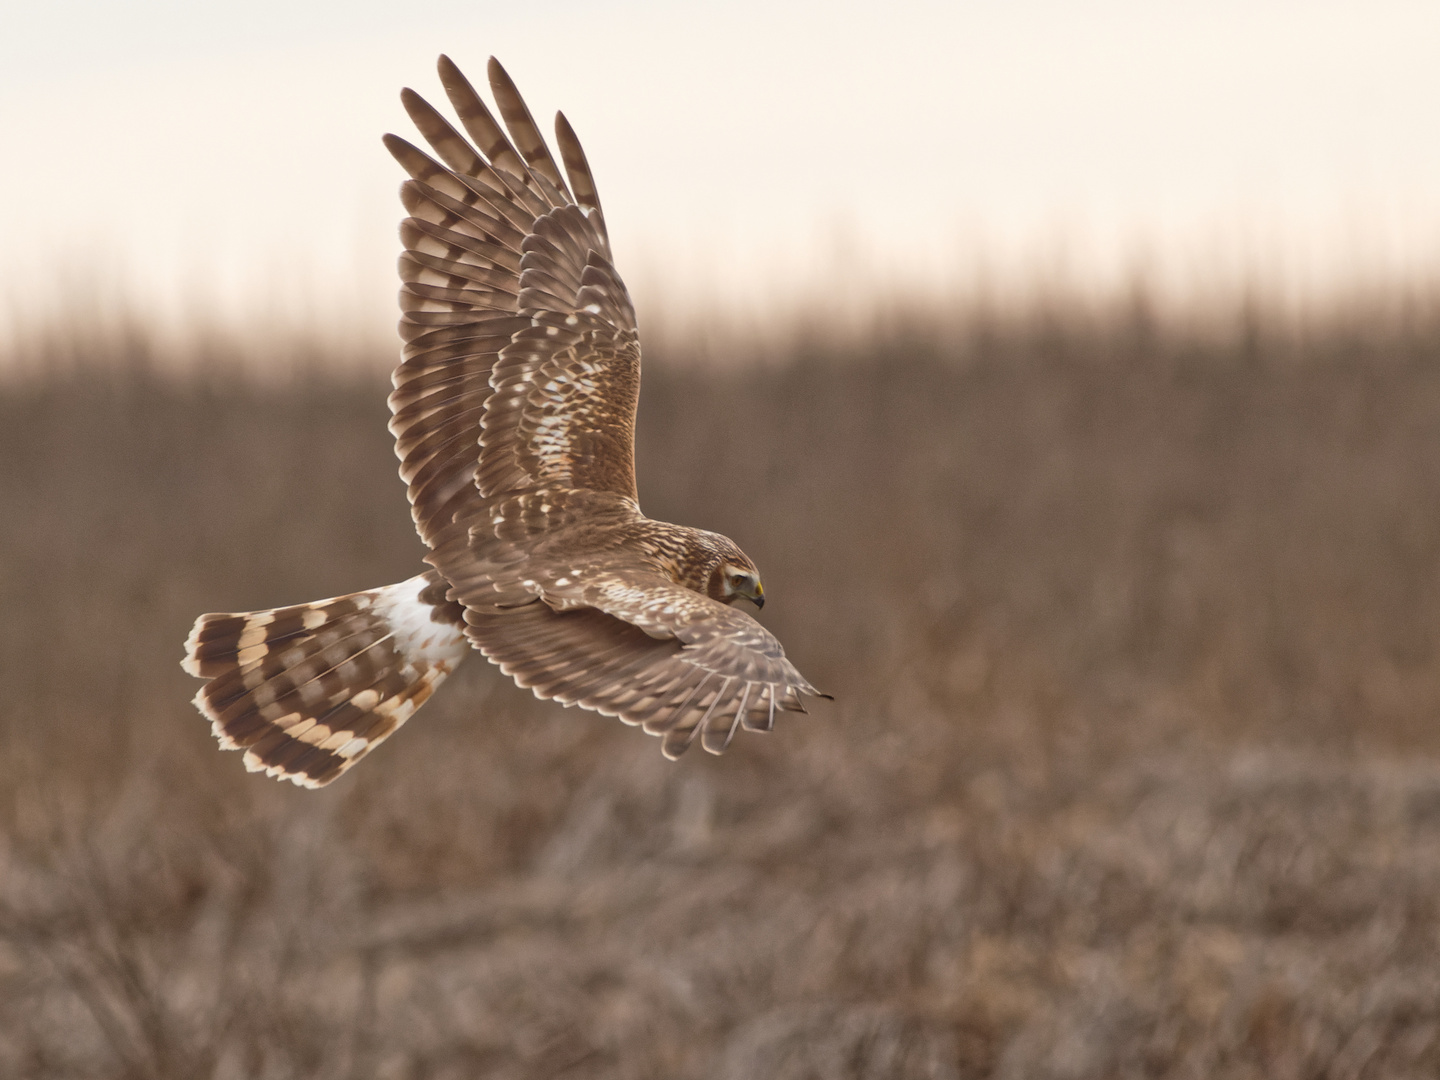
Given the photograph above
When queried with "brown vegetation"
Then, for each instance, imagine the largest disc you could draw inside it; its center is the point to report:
(1134, 769)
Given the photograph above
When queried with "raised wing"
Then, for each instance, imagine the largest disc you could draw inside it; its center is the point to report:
(652, 653)
(521, 367)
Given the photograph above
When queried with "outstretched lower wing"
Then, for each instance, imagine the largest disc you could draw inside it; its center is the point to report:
(652, 653)
(521, 367)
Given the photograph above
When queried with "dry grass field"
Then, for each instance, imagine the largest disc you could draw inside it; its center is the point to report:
(1134, 768)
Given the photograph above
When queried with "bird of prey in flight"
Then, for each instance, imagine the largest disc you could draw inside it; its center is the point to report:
(514, 421)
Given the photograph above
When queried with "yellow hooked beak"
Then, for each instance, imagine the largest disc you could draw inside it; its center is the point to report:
(758, 596)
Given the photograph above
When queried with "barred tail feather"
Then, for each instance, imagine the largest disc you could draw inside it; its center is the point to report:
(307, 691)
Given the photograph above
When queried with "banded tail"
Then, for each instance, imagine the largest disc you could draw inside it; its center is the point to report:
(307, 691)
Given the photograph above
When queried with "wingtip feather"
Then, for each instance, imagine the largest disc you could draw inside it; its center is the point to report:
(191, 661)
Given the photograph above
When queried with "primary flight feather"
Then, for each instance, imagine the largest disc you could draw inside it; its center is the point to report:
(514, 420)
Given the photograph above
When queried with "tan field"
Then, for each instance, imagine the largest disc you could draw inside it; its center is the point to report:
(1133, 771)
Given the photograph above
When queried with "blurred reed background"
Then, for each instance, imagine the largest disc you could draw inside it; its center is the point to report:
(1134, 768)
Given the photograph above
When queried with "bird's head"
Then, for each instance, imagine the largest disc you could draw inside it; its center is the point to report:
(736, 578)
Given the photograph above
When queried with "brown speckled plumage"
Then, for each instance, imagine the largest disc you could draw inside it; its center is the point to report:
(514, 420)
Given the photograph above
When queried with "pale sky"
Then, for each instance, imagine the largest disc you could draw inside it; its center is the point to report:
(216, 158)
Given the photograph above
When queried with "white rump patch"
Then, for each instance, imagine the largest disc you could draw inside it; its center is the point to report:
(420, 639)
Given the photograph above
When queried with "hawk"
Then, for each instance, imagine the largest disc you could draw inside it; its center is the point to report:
(514, 419)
